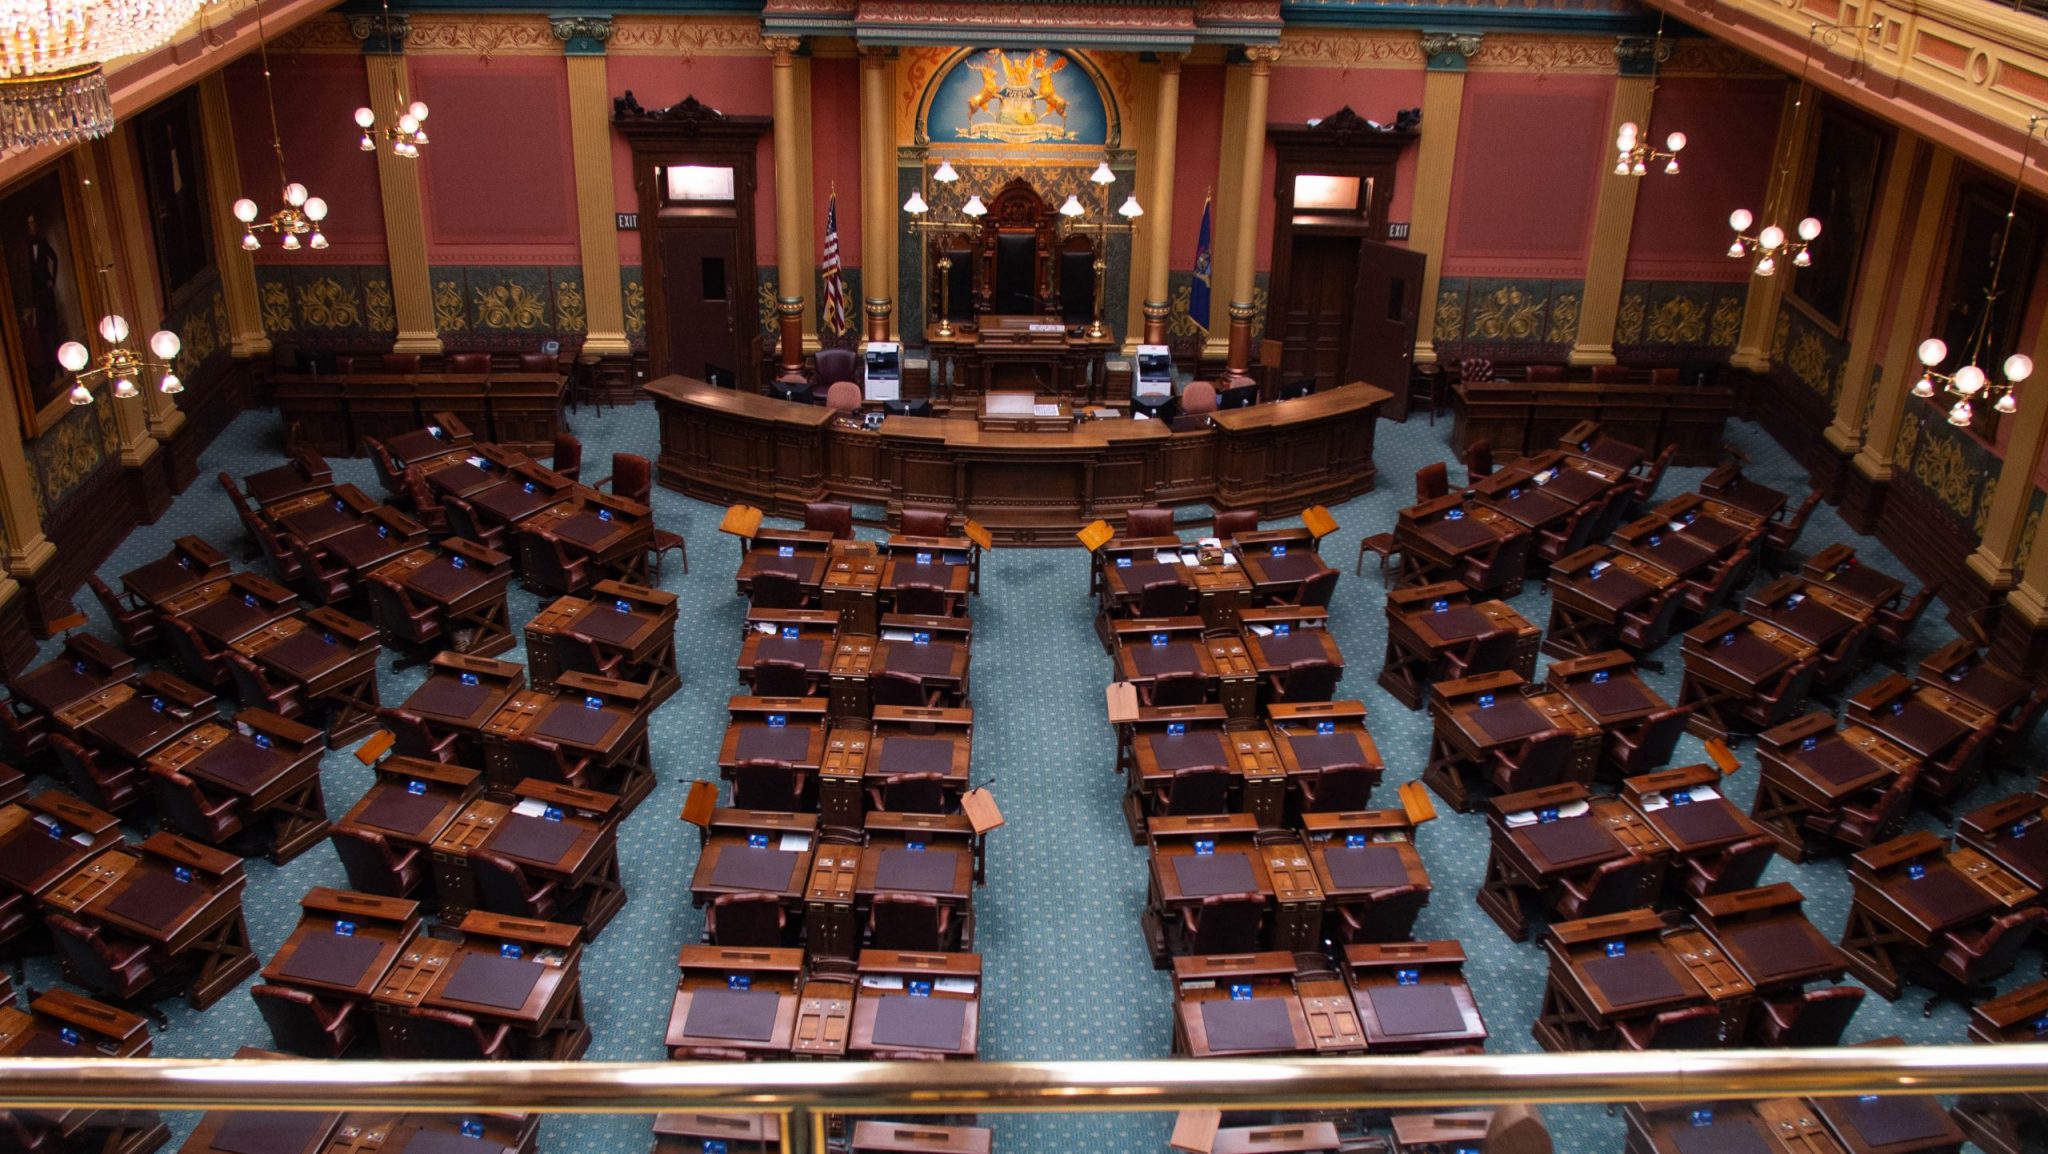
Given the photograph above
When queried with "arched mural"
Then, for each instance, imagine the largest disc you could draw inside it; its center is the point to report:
(1004, 96)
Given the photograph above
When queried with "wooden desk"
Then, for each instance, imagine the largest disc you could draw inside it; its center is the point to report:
(806, 567)
(2010, 832)
(61, 1024)
(926, 567)
(1426, 623)
(599, 718)
(1890, 1124)
(1412, 997)
(735, 999)
(379, 536)
(871, 1137)
(1608, 970)
(1837, 567)
(410, 804)
(1524, 417)
(1196, 857)
(680, 1133)
(917, 1003)
(1357, 857)
(1908, 893)
(852, 586)
(1807, 767)
(269, 766)
(1728, 659)
(1687, 811)
(192, 562)
(937, 856)
(1026, 487)
(84, 667)
(808, 637)
(182, 899)
(1313, 737)
(1276, 568)
(1726, 483)
(43, 842)
(226, 610)
(322, 514)
(344, 944)
(1959, 669)
(1539, 837)
(332, 658)
(786, 730)
(461, 693)
(1473, 717)
(750, 851)
(613, 532)
(442, 435)
(630, 624)
(474, 976)
(129, 722)
(1591, 591)
(466, 583)
(558, 836)
(1437, 537)
(1245, 1005)
(1951, 735)
(1273, 654)
(1784, 1126)
(1767, 937)
(465, 475)
(908, 740)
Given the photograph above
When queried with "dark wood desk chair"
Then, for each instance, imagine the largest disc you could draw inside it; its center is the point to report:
(413, 737)
(1648, 626)
(1222, 924)
(1169, 689)
(1647, 745)
(831, 517)
(190, 811)
(1306, 681)
(1569, 536)
(1150, 521)
(322, 583)
(1478, 459)
(1692, 1028)
(1737, 867)
(925, 523)
(1316, 590)
(773, 589)
(1486, 653)
(1611, 374)
(1781, 702)
(390, 473)
(1335, 788)
(633, 478)
(1780, 536)
(246, 512)
(1230, 523)
(1621, 884)
(775, 677)
(922, 599)
(463, 522)
(1386, 547)
(1890, 627)
(1811, 1019)
(545, 567)
(916, 922)
(1432, 481)
(426, 505)
(504, 887)
(412, 628)
(539, 758)
(890, 687)
(257, 690)
(762, 784)
(1166, 599)
(1380, 917)
(910, 793)
(568, 456)
(1704, 595)
(448, 1036)
(1194, 791)
(113, 967)
(580, 653)
(113, 788)
(373, 865)
(1964, 963)
(201, 662)
(1500, 566)
(131, 617)
(1870, 820)
(305, 1025)
(1540, 760)
(746, 921)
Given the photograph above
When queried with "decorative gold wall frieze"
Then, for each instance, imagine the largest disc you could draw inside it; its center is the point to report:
(482, 36)
(1514, 52)
(685, 37)
(1349, 49)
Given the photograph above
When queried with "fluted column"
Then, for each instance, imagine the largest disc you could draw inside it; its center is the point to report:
(590, 140)
(27, 549)
(1912, 290)
(1443, 104)
(792, 271)
(398, 181)
(1887, 237)
(1614, 213)
(1159, 237)
(877, 196)
(1245, 240)
(246, 337)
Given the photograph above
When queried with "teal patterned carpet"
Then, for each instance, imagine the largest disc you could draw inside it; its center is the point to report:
(1067, 975)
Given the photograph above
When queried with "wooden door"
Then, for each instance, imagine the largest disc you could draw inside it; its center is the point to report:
(1315, 317)
(699, 297)
(1387, 295)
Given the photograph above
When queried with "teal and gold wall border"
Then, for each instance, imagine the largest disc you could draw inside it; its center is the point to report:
(1536, 319)
(507, 306)
(1694, 318)
(1805, 354)
(326, 306)
(70, 452)
(1950, 464)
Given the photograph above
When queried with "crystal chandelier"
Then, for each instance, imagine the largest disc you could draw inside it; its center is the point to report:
(52, 90)
(119, 363)
(409, 127)
(1969, 382)
(302, 212)
(1770, 245)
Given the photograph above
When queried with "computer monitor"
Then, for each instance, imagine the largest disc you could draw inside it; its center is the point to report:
(883, 371)
(1238, 397)
(916, 407)
(1300, 387)
(798, 391)
(1159, 408)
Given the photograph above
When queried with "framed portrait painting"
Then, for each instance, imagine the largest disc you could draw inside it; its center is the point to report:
(44, 293)
(173, 178)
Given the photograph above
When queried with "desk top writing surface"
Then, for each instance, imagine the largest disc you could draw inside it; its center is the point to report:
(1701, 825)
(150, 901)
(1278, 651)
(361, 548)
(1785, 948)
(1890, 1124)
(1919, 726)
(1646, 978)
(807, 568)
(1613, 701)
(480, 981)
(64, 682)
(31, 860)
(1743, 654)
(168, 577)
(1810, 621)
(1568, 844)
(1859, 582)
(1533, 507)
(1941, 899)
(1753, 497)
(1670, 551)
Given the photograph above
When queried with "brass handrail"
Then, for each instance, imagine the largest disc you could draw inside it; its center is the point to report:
(806, 1088)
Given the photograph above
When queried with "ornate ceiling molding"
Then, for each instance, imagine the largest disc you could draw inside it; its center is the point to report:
(1132, 25)
(1347, 49)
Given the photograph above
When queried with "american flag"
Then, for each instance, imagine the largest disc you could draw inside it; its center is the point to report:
(835, 288)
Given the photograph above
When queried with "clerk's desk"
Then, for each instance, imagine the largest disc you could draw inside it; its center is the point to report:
(1025, 487)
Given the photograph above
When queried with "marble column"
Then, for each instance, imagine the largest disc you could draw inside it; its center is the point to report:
(1159, 234)
(398, 182)
(878, 210)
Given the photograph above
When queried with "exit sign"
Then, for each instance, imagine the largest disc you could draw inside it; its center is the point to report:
(1396, 229)
(632, 220)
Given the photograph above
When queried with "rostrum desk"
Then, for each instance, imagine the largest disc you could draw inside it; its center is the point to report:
(1028, 488)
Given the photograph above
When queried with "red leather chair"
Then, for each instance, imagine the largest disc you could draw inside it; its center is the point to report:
(413, 737)
(113, 788)
(1194, 791)
(777, 678)
(447, 1036)
(93, 957)
(1169, 689)
(925, 523)
(1621, 884)
(834, 366)
(1312, 680)
(1148, 522)
(1222, 924)
(910, 793)
(545, 567)
(772, 589)
(1574, 533)
(1780, 536)
(920, 599)
(409, 626)
(322, 583)
(426, 505)
(189, 811)
(389, 472)
(1540, 760)
(539, 362)
(400, 362)
(1648, 626)
(1499, 567)
(1811, 1019)
(269, 543)
(891, 687)
(1168, 598)
(1965, 963)
(831, 517)
(1336, 788)
(463, 522)
(898, 921)
(1647, 745)
(1782, 701)
(1705, 595)
(1641, 489)
(579, 653)
(746, 921)
(1738, 867)
(568, 458)
(1693, 1028)
(373, 865)
(1478, 459)
(1231, 522)
(1892, 626)
(774, 786)
(504, 887)
(844, 397)
(258, 691)
(1316, 590)
(1545, 374)
(1378, 918)
(131, 617)
(1610, 375)
(537, 757)
(1432, 481)
(469, 364)
(305, 1025)
(201, 662)
(1870, 819)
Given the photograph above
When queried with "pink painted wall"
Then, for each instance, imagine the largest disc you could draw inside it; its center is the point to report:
(317, 96)
(1531, 150)
(731, 84)
(489, 197)
(1300, 94)
(1198, 153)
(1681, 227)
(835, 157)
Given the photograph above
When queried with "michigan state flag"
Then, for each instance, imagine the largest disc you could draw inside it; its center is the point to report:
(1198, 297)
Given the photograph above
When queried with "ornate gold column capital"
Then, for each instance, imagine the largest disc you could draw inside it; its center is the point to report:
(782, 49)
(1170, 62)
(1262, 57)
(873, 57)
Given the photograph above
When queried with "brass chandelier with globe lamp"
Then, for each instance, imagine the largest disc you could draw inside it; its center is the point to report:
(301, 212)
(1633, 152)
(922, 219)
(407, 129)
(1970, 382)
(117, 361)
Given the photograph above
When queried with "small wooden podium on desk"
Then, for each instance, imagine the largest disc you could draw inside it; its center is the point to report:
(1024, 413)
